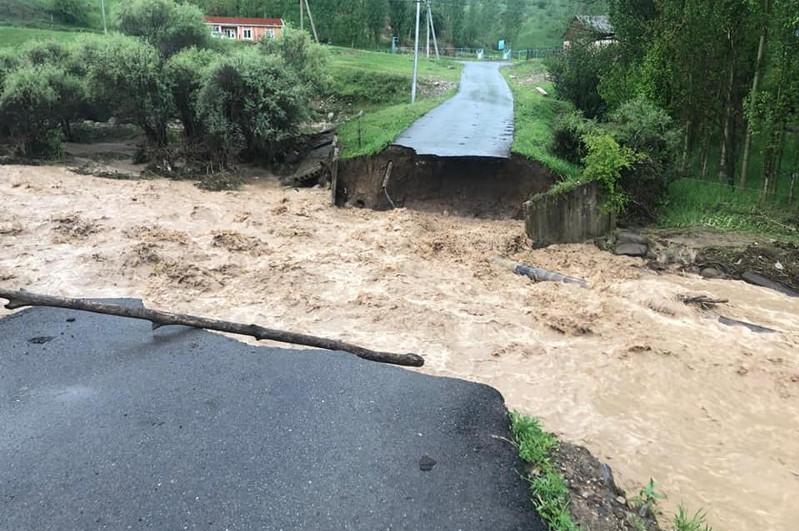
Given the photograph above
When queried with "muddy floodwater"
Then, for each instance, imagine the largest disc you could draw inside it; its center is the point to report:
(654, 387)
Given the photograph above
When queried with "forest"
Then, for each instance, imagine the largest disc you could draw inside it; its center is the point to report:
(726, 72)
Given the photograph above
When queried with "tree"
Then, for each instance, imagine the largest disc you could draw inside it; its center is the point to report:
(185, 72)
(577, 73)
(74, 12)
(249, 104)
(168, 26)
(307, 59)
(35, 101)
(126, 75)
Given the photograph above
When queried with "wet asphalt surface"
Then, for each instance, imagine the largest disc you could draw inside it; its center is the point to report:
(476, 122)
(105, 424)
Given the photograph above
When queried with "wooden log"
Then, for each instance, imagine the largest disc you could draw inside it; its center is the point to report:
(20, 299)
(538, 274)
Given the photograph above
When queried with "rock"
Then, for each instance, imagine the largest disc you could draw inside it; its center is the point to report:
(330, 116)
(621, 499)
(631, 249)
(426, 463)
(624, 236)
(711, 273)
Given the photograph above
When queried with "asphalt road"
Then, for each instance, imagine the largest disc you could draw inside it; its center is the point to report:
(476, 122)
(105, 424)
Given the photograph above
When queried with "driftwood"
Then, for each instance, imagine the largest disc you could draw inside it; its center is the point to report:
(20, 299)
(537, 274)
(703, 301)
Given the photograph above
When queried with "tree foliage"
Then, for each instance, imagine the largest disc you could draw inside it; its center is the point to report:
(165, 24)
(250, 103)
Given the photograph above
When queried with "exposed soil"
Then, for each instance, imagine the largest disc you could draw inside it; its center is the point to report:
(479, 187)
(654, 387)
(597, 503)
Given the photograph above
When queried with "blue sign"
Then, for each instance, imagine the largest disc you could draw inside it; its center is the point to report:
(501, 45)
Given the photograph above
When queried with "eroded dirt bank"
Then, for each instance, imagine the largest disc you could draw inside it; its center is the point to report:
(651, 386)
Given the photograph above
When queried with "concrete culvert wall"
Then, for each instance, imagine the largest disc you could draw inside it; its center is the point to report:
(572, 216)
(398, 177)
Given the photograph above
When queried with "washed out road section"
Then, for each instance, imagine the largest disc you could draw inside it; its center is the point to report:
(108, 424)
(476, 122)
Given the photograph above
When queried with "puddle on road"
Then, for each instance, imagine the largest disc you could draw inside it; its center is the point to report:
(651, 386)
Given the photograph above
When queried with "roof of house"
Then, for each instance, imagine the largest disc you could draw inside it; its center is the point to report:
(598, 23)
(241, 21)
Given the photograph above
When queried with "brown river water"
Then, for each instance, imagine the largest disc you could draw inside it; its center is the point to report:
(653, 387)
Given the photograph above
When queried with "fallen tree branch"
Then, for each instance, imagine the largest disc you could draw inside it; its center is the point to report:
(537, 274)
(20, 299)
(703, 301)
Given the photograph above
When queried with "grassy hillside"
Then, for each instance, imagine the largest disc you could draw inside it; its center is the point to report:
(36, 14)
(544, 21)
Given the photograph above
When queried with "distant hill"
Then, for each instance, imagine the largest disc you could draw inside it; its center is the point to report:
(542, 21)
(545, 20)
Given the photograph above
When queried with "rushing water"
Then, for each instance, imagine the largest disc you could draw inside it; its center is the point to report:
(651, 386)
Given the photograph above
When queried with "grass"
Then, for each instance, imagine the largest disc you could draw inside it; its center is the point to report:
(15, 36)
(683, 521)
(344, 59)
(548, 487)
(544, 21)
(534, 118)
(378, 129)
(692, 202)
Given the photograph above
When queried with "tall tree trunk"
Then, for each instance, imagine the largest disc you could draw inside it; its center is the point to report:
(761, 51)
(726, 137)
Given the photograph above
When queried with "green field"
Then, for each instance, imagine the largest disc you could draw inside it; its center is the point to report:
(14, 36)
(344, 59)
(544, 21)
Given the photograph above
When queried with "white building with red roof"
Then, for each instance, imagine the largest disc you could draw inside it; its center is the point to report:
(245, 29)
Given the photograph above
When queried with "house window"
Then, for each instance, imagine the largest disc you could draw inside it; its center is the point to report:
(248, 34)
(231, 33)
(271, 33)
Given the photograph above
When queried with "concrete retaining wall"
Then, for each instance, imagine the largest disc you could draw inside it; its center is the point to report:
(570, 217)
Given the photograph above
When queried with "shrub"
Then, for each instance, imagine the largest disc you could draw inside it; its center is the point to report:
(75, 12)
(168, 26)
(126, 75)
(360, 87)
(604, 163)
(249, 104)
(577, 72)
(34, 102)
(649, 131)
(300, 53)
(568, 136)
(44, 52)
(185, 73)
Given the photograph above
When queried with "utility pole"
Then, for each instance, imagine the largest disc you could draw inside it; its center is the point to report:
(302, 22)
(102, 8)
(416, 52)
(427, 53)
(310, 19)
(433, 29)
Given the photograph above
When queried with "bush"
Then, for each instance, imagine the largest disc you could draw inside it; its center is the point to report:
(34, 101)
(44, 52)
(249, 104)
(168, 26)
(569, 132)
(300, 53)
(185, 73)
(373, 88)
(125, 74)
(74, 12)
(577, 72)
(604, 163)
(649, 131)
